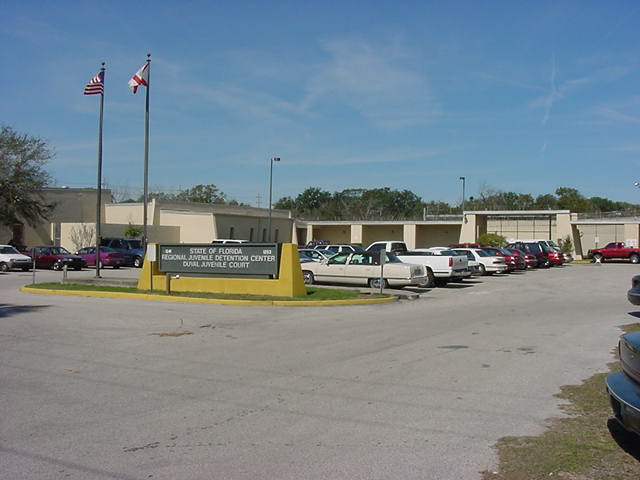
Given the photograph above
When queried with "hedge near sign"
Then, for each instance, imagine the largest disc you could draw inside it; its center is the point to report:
(246, 259)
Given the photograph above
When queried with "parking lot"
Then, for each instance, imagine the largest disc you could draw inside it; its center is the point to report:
(124, 389)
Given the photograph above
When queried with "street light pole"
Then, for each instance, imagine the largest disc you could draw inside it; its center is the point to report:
(463, 197)
(273, 159)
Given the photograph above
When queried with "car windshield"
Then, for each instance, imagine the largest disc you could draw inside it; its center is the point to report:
(58, 251)
(340, 259)
(546, 248)
(467, 253)
(357, 248)
(134, 244)
(392, 258)
(8, 249)
(534, 248)
(482, 253)
(507, 252)
(449, 252)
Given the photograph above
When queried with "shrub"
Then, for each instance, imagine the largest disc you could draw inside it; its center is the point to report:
(492, 240)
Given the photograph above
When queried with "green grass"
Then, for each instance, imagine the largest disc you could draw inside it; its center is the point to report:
(578, 447)
(313, 293)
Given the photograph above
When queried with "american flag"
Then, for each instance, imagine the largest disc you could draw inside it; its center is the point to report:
(95, 85)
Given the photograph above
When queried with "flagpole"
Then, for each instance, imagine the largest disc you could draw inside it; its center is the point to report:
(146, 154)
(99, 186)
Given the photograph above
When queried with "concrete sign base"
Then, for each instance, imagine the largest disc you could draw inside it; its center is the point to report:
(288, 284)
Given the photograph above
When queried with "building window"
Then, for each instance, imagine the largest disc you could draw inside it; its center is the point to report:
(231, 233)
(264, 234)
(276, 236)
(251, 235)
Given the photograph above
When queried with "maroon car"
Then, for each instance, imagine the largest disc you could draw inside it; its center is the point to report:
(56, 258)
(530, 259)
(108, 257)
(509, 259)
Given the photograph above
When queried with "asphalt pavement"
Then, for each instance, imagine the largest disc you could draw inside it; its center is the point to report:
(125, 389)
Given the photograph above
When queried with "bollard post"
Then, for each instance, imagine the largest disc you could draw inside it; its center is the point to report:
(64, 273)
(383, 258)
(168, 283)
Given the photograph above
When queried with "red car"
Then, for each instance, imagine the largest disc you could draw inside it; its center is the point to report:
(510, 259)
(108, 257)
(530, 259)
(555, 257)
(56, 258)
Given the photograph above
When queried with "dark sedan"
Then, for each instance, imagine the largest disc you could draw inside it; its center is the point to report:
(56, 258)
(624, 387)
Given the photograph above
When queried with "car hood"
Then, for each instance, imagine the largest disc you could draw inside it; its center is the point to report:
(14, 256)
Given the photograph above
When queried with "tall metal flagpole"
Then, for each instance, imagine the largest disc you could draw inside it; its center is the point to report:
(146, 154)
(99, 196)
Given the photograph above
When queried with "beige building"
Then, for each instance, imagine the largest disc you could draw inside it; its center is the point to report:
(72, 225)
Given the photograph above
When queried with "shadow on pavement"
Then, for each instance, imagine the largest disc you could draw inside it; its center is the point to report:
(7, 310)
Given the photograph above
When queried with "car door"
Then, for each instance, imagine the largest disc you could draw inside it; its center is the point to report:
(333, 269)
(360, 268)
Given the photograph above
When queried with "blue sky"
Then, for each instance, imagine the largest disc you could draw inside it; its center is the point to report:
(514, 95)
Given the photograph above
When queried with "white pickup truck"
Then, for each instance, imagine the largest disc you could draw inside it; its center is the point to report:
(443, 265)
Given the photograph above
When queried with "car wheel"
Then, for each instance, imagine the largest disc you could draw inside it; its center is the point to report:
(598, 258)
(375, 283)
(116, 267)
(57, 266)
(441, 282)
(431, 279)
(634, 258)
(4, 267)
(483, 270)
(137, 262)
(307, 276)
(25, 269)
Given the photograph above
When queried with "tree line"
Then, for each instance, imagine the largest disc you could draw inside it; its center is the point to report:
(387, 204)
(23, 159)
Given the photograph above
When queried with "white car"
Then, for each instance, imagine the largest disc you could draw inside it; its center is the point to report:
(11, 259)
(488, 263)
(363, 268)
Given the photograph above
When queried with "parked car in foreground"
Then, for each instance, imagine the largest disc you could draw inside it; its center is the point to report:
(12, 259)
(108, 257)
(363, 268)
(623, 387)
(131, 246)
(56, 258)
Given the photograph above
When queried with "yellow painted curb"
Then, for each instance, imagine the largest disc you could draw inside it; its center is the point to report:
(221, 301)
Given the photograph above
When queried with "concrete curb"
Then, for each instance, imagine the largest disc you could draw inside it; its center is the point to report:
(220, 301)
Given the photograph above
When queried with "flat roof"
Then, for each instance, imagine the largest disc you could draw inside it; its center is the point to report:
(518, 213)
(379, 222)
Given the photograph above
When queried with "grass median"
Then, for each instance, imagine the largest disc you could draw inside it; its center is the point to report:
(588, 444)
(313, 293)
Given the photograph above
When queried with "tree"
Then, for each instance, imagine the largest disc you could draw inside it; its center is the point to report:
(132, 231)
(571, 199)
(208, 193)
(202, 194)
(82, 235)
(492, 240)
(22, 177)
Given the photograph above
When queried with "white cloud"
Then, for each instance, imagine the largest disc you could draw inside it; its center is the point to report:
(372, 80)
